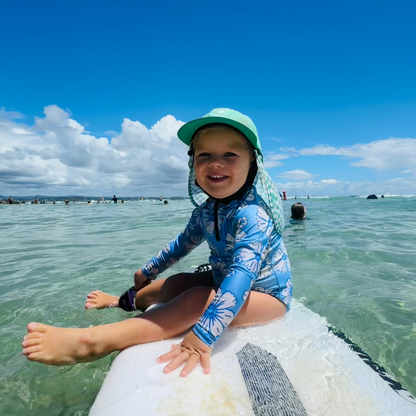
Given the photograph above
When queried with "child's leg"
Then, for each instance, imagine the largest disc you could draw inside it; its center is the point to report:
(159, 291)
(164, 290)
(62, 346)
(259, 308)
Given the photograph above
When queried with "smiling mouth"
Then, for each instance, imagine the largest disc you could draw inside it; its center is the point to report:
(216, 178)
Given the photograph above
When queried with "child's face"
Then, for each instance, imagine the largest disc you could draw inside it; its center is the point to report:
(221, 162)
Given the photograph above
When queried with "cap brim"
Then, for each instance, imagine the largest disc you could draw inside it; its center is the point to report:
(188, 130)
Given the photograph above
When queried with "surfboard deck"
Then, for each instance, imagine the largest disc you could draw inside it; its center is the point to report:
(329, 379)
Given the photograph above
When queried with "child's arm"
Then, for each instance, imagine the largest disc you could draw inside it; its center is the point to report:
(253, 228)
(174, 251)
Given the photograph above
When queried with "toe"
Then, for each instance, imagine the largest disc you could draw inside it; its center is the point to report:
(35, 327)
(31, 350)
(30, 342)
(32, 335)
(34, 356)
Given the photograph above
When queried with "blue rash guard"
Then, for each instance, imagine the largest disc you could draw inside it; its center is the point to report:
(247, 254)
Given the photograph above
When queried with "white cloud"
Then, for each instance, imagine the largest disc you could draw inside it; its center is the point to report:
(57, 156)
(388, 154)
(272, 160)
(297, 175)
(10, 115)
(333, 187)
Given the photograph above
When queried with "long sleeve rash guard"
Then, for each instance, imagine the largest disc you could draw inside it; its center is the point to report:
(250, 255)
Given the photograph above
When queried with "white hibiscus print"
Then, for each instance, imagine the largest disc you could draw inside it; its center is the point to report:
(287, 292)
(240, 234)
(281, 262)
(263, 221)
(208, 225)
(230, 242)
(245, 295)
(219, 314)
(250, 257)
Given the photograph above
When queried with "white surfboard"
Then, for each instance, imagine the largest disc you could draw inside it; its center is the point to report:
(319, 375)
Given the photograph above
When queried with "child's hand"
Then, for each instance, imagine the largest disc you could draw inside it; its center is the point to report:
(140, 280)
(190, 352)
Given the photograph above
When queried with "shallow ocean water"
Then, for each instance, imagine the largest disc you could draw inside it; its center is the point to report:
(353, 262)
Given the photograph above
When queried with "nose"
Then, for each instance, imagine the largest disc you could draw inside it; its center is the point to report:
(215, 161)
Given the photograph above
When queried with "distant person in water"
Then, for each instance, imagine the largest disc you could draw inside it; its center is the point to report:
(115, 199)
(66, 201)
(298, 211)
(10, 200)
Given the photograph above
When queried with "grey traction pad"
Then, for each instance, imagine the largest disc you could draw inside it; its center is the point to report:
(271, 392)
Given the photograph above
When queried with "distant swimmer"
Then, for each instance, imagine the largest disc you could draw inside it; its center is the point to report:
(284, 196)
(298, 211)
(165, 201)
(10, 200)
(66, 201)
(115, 199)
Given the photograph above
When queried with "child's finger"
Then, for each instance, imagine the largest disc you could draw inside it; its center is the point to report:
(190, 365)
(205, 364)
(176, 362)
(168, 356)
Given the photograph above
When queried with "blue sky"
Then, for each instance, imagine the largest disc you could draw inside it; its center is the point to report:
(92, 93)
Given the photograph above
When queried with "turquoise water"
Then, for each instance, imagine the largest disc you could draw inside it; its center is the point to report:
(353, 262)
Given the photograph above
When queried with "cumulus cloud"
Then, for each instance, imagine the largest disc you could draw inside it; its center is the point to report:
(57, 155)
(388, 154)
(297, 175)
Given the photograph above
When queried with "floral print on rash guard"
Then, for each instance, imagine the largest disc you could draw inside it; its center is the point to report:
(249, 256)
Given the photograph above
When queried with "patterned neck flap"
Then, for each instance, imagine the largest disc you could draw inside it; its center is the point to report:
(264, 185)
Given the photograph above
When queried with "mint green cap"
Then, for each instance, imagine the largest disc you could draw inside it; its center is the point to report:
(227, 116)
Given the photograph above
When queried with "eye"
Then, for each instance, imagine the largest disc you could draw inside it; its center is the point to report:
(229, 154)
(203, 154)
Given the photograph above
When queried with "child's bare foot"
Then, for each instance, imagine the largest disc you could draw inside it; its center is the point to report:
(59, 346)
(101, 300)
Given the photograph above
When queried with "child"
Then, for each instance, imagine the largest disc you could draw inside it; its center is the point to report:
(298, 211)
(238, 212)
